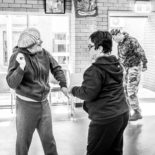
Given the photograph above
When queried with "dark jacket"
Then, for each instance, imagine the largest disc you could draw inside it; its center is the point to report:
(102, 90)
(33, 82)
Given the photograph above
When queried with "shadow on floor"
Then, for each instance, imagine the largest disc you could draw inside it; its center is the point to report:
(71, 136)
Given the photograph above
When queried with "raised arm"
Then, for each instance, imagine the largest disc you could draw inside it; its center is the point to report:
(15, 70)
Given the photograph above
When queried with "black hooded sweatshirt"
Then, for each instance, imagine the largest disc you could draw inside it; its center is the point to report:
(102, 90)
(33, 81)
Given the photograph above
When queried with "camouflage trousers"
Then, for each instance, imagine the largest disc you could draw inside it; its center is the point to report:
(132, 78)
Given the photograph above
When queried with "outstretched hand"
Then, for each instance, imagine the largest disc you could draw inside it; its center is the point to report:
(65, 91)
(144, 69)
(70, 90)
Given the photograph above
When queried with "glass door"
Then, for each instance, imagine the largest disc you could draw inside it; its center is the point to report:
(55, 33)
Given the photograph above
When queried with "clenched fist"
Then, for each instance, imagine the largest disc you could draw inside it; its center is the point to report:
(21, 60)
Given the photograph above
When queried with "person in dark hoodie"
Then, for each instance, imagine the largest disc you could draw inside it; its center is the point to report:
(104, 99)
(28, 74)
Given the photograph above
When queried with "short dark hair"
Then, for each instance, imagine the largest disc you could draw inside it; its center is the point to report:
(115, 31)
(102, 38)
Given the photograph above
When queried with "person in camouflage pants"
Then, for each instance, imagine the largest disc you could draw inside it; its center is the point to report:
(132, 57)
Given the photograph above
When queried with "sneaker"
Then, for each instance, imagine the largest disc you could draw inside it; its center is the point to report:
(137, 115)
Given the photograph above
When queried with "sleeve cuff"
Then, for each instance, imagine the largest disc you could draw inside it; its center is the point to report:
(73, 90)
(145, 65)
(20, 71)
(63, 84)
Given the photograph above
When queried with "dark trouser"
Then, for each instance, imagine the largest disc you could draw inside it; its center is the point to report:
(31, 116)
(107, 139)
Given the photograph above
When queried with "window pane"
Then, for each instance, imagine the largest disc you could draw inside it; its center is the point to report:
(5, 53)
(10, 28)
(54, 33)
(49, 26)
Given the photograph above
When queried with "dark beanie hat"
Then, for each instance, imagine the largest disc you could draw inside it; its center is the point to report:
(28, 37)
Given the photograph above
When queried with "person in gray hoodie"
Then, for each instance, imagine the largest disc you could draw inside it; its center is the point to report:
(28, 75)
(104, 98)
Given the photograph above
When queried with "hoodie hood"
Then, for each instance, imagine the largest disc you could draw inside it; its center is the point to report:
(23, 50)
(111, 65)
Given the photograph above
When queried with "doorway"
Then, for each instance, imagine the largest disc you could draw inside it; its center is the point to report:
(128, 22)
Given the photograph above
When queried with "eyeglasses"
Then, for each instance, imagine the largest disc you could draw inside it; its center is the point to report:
(90, 46)
(113, 37)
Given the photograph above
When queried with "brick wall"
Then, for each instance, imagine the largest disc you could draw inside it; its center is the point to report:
(85, 26)
(27, 5)
(81, 28)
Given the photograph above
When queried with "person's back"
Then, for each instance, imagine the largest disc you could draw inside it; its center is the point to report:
(108, 101)
(104, 98)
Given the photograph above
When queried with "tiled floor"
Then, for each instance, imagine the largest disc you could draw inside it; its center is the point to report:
(71, 136)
